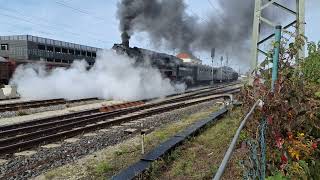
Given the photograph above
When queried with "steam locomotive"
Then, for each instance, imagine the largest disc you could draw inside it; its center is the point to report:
(175, 69)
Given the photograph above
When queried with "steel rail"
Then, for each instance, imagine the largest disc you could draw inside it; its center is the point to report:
(52, 134)
(77, 121)
(55, 134)
(57, 121)
(96, 110)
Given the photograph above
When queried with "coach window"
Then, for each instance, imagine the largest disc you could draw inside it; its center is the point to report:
(57, 49)
(94, 54)
(89, 54)
(64, 50)
(5, 47)
(71, 51)
(167, 60)
(83, 53)
(49, 59)
(77, 52)
(41, 47)
(50, 48)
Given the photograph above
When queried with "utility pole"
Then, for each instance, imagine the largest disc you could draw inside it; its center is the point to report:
(227, 63)
(213, 52)
(221, 59)
(299, 14)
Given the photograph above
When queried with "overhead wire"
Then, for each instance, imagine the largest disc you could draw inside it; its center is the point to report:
(33, 17)
(59, 29)
(194, 13)
(21, 28)
(66, 5)
(216, 9)
(203, 19)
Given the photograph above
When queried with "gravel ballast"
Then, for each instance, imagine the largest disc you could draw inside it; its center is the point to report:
(23, 112)
(53, 111)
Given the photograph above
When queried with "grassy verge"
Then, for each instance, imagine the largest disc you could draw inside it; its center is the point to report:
(200, 157)
(110, 161)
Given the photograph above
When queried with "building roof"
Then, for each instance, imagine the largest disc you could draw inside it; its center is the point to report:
(48, 41)
(184, 56)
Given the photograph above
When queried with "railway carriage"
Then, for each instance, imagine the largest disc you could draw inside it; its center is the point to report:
(175, 69)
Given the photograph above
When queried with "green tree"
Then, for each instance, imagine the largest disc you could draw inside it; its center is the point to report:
(311, 65)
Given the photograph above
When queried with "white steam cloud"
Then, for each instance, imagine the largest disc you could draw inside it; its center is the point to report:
(113, 76)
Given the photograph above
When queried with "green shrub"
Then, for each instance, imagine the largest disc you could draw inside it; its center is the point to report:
(103, 168)
(311, 65)
(277, 176)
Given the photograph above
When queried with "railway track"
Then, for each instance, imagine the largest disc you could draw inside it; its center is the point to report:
(17, 137)
(39, 103)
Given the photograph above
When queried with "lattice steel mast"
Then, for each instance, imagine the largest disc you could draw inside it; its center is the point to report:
(299, 21)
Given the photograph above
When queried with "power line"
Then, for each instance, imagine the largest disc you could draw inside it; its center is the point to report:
(89, 34)
(51, 27)
(212, 5)
(216, 9)
(22, 28)
(194, 13)
(33, 17)
(64, 4)
(73, 8)
(203, 19)
(42, 19)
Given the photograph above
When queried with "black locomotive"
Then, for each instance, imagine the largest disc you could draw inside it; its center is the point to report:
(177, 70)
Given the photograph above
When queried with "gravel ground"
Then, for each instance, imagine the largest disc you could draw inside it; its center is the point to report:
(44, 109)
(9, 114)
(44, 112)
(44, 159)
(8, 101)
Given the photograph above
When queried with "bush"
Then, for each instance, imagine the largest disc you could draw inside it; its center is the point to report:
(103, 168)
(311, 66)
(292, 114)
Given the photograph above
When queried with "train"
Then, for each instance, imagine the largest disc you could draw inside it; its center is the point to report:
(176, 69)
(169, 66)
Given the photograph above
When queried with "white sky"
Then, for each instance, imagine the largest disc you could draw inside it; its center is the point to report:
(94, 22)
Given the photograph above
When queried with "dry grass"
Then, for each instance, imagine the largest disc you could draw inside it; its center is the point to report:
(201, 157)
(110, 161)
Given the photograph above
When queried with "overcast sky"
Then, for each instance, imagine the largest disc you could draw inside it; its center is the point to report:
(94, 22)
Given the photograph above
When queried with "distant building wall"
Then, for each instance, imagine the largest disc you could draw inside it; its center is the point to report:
(32, 48)
(17, 47)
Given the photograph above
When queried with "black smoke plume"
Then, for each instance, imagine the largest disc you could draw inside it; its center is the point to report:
(168, 23)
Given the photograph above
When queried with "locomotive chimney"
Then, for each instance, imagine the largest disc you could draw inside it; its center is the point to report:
(125, 39)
